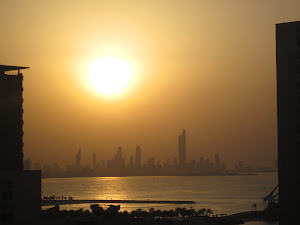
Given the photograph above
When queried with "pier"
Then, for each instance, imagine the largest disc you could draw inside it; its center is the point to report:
(69, 202)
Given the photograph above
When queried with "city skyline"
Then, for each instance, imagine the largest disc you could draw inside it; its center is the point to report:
(118, 166)
(119, 161)
(207, 66)
(139, 103)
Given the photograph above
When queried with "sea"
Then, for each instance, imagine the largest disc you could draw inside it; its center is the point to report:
(221, 194)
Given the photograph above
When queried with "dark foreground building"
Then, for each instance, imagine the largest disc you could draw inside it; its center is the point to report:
(288, 110)
(20, 190)
(11, 111)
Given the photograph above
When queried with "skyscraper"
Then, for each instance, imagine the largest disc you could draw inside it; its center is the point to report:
(118, 162)
(18, 187)
(288, 117)
(11, 114)
(119, 153)
(182, 148)
(138, 156)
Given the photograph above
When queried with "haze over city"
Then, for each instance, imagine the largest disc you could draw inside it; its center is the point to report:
(205, 66)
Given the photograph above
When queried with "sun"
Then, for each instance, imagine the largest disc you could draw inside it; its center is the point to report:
(110, 75)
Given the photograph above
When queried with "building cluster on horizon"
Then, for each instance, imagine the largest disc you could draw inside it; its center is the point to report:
(117, 166)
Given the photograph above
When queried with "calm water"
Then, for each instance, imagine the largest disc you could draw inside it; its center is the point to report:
(222, 194)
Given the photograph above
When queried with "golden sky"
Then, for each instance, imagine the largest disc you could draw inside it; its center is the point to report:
(206, 66)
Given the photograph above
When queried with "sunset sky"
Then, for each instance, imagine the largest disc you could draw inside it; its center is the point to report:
(206, 66)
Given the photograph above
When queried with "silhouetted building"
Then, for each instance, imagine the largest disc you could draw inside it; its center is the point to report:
(11, 114)
(28, 164)
(119, 153)
(94, 161)
(201, 163)
(118, 162)
(217, 162)
(288, 118)
(151, 162)
(182, 148)
(131, 164)
(138, 157)
(20, 199)
(168, 162)
(37, 166)
(239, 166)
(206, 164)
(77, 160)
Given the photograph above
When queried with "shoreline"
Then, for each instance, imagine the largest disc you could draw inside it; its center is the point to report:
(155, 175)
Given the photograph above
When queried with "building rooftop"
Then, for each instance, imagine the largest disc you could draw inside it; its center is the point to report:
(4, 68)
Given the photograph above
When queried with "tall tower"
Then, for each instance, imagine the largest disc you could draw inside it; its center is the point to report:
(119, 153)
(138, 156)
(182, 148)
(288, 117)
(11, 114)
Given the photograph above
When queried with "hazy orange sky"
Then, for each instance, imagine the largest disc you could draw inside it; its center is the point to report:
(206, 66)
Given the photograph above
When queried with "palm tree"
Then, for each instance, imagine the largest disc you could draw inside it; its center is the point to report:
(125, 213)
(209, 211)
(204, 213)
(200, 212)
(191, 212)
(139, 212)
(152, 212)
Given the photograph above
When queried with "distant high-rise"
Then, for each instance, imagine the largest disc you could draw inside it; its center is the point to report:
(217, 162)
(201, 163)
(138, 156)
(131, 164)
(182, 148)
(11, 114)
(118, 162)
(288, 117)
(27, 164)
(119, 153)
(94, 162)
(78, 159)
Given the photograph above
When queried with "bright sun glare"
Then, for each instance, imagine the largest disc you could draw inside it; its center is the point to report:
(110, 75)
